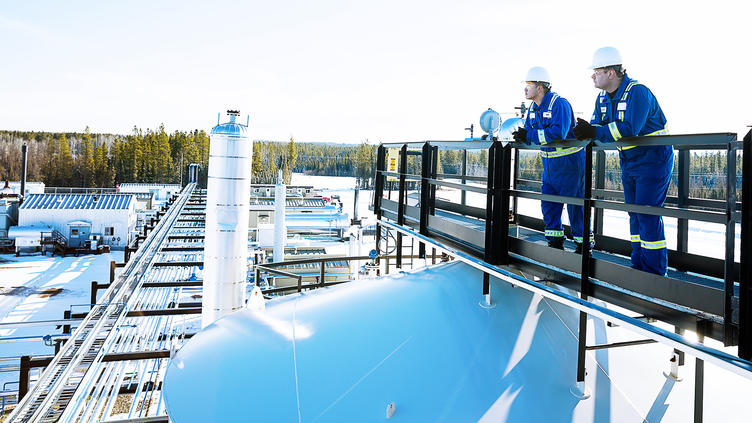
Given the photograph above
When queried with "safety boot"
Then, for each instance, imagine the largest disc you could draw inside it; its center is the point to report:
(558, 243)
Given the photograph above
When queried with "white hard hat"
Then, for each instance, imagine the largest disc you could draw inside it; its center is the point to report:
(606, 56)
(538, 74)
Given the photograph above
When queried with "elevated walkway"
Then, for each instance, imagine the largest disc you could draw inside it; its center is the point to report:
(705, 295)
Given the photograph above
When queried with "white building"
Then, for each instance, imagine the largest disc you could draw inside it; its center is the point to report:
(77, 216)
(31, 187)
(162, 192)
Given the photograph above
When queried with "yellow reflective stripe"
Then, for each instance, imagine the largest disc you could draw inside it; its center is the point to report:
(653, 245)
(663, 131)
(554, 233)
(559, 152)
(621, 115)
(614, 131)
(635, 238)
(542, 136)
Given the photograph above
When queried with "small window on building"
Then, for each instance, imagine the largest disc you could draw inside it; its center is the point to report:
(74, 232)
(109, 231)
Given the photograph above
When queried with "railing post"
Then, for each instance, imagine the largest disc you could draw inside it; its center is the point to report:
(489, 253)
(729, 276)
(401, 201)
(434, 170)
(113, 265)
(600, 183)
(425, 196)
(66, 328)
(699, 377)
(501, 204)
(379, 192)
(515, 177)
(463, 171)
(490, 180)
(94, 289)
(321, 273)
(23, 377)
(682, 224)
(585, 269)
(745, 282)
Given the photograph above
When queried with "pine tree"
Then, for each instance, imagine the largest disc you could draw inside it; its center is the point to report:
(64, 162)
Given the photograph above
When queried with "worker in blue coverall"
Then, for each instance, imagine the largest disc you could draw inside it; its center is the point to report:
(627, 108)
(550, 118)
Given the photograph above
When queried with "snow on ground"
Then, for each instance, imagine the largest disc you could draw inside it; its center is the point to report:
(40, 287)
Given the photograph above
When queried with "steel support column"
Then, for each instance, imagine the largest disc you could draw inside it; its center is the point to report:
(585, 269)
(729, 276)
(379, 192)
(425, 196)
(401, 202)
(489, 234)
(463, 171)
(745, 283)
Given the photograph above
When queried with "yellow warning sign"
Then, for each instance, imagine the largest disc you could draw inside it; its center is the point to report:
(392, 159)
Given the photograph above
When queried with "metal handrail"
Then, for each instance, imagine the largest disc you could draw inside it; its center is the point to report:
(726, 361)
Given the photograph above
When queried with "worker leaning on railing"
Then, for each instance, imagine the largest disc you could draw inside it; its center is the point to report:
(550, 118)
(626, 108)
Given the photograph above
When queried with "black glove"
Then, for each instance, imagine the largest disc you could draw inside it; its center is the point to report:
(520, 135)
(584, 130)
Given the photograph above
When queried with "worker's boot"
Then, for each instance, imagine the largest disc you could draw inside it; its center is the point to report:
(558, 243)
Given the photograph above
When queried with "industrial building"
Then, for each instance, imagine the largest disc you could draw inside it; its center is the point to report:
(162, 192)
(108, 218)
(14, 187)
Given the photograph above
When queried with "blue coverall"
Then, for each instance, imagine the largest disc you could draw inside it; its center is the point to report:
(645, 170)
(563, 167)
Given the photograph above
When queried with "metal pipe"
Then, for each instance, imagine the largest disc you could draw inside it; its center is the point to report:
(280, 227)
(23, 171)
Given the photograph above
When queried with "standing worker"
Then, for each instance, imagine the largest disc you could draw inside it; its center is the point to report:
(550, 118)
(627, 108)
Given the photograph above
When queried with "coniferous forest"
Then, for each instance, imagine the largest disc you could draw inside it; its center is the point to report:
(104, 160)
(153, 155)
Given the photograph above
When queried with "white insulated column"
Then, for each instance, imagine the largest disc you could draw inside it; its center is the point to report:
(280, 227)
(226, 232)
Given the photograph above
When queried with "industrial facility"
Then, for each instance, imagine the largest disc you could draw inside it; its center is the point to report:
(458, 301)
(109, 219)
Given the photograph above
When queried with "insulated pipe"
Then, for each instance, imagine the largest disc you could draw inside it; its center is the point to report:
(280, 229)
(355, 220)
(23, 172)
(226, 232)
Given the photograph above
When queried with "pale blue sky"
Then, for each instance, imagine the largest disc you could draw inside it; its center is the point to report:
(348, 71)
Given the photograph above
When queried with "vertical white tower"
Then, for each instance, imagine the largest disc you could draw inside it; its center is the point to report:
(280, 227)
(226, 238)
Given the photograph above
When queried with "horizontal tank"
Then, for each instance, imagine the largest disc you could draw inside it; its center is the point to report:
(423, 344)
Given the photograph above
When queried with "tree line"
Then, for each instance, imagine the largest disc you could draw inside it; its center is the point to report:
(154, 156)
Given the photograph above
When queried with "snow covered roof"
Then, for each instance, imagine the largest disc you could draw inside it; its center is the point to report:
(142, 186)
(78, 201)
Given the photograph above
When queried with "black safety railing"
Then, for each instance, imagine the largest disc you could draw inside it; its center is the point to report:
(720, 310)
